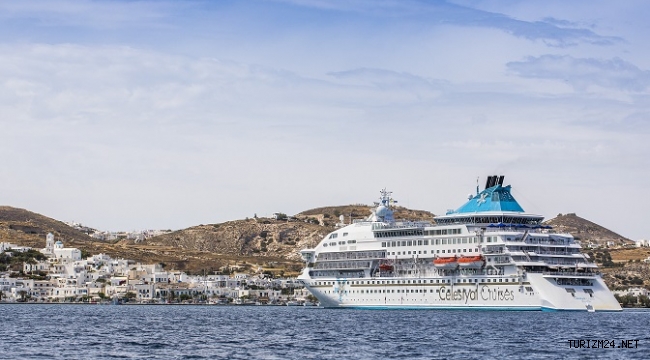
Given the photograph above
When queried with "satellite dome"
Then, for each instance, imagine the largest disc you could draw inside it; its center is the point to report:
(382, 211)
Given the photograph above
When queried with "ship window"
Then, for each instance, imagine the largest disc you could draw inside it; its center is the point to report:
(454, 250)
(383, 244)
(437, 241)
(392, 244)
(426, 242)
(403, 243)
(325, 245)
(437, 251)
(444, 241)
(410, 243)
(419, 242)
(443, 251)
(425, 251)
(345, 234)
(409, 253)
(464, 240)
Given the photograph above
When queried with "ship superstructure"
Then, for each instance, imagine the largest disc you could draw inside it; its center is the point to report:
(487, 254)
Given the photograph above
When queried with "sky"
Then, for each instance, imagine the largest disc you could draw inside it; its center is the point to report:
(129, 115)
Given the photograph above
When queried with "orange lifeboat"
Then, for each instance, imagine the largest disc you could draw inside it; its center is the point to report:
(386, 267)
(473, 262)
(446, 262)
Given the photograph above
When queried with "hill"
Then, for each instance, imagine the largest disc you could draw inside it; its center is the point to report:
(26, 228)
(29, 229)
(585, 231)
(331, 214)
(249, 243)
(259, 237)
(264, 237)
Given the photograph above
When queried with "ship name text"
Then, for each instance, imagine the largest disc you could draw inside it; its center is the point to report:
(483, 293)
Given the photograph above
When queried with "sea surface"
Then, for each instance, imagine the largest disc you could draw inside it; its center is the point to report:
(56, 331)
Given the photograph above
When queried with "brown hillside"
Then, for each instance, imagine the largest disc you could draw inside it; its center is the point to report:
(26, 228)
(585, 230)
(331, 214)
(29, 229)
(261, 237)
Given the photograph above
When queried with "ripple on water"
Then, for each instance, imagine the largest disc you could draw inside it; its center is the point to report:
(221, 332)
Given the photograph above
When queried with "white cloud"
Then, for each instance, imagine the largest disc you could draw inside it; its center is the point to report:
(583, 73)
(90, 13)
(153, 133)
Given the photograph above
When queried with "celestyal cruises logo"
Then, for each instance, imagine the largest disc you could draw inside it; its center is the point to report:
(483, 293)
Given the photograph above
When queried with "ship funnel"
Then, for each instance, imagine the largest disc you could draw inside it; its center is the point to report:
(494, 180)
(487, 182)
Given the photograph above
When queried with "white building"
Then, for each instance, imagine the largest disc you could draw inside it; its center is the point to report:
(635, 291)
(56, 250)
(4, 246)
(642, 243)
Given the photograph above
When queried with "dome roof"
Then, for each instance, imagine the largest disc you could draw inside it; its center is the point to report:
(494, 199)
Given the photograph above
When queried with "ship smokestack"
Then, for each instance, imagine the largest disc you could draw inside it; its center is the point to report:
(501, 180)
(493, 181)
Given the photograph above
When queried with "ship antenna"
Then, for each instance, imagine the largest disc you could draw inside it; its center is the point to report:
(477, 185)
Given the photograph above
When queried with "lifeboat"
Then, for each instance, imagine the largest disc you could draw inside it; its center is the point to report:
(446, 262)
(386, 267)
(471, 262)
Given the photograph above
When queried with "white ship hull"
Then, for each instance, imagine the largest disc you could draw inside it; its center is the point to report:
(538, 293)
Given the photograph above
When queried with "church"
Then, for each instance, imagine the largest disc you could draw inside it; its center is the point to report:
(56, 250)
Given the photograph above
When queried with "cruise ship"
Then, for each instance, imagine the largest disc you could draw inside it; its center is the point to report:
(488, 254)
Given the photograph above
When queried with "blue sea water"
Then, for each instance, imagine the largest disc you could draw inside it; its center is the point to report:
(57, 331)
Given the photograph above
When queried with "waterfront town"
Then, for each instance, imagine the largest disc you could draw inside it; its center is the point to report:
(57, 273)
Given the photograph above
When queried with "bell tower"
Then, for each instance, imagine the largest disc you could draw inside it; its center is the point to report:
(49, 243)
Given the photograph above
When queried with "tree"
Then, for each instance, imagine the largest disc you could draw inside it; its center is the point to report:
(130, 295)
(628, 300)
(644, 300)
